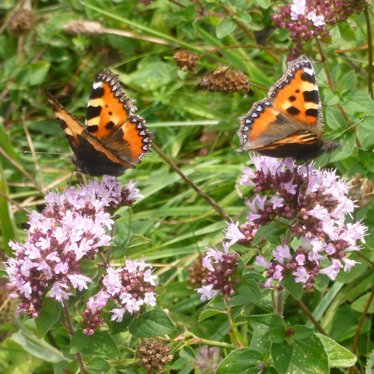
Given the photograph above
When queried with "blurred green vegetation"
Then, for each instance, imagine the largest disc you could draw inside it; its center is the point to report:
(195, 128)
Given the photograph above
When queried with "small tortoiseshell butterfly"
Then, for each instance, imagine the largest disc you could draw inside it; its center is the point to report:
(289, 122)
(113, 138)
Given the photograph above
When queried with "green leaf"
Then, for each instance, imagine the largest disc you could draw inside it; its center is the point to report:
(282, 355)
(98, 365)
(208, 313)
(360, 304)
(309, 357)
(6, 217)
(364, 132)
(370, 364)
(270, 320)
(338, 356)
(270, 232)
(34, 74)
(117, 327)
(225, 27)
(48, 316)
(265, 4)
(359, 101)
(267, 329)
(37, 347)
(295, 289)
(153, 323)
(243, 361)
(79, 342)
(103, 342)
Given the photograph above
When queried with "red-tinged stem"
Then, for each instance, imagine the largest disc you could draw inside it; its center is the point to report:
(70, 330)
(309, 315)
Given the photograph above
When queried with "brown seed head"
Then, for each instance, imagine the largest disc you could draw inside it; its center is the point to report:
(21, 22)
(225, 79)
(186, 60)
(153, 355)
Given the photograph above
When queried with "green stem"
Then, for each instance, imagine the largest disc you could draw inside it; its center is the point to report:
(370, 52)
(234, 330)
(204, 195)
(329, 78)
(190, 338)
(279, 302)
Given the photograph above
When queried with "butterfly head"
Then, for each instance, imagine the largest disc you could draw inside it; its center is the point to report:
(330, 146)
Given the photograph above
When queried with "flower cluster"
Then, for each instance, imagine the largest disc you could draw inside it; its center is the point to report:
(207, 359)
(306, 19)
(73, 226)
(221, 267)
(313, 204)
(130, 287)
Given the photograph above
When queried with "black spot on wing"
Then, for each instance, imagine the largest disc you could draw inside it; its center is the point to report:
(97, 93)
(312, 112)
(292, 98)
(311, 96)
(92, 128)
(93, 111)
(109, 125)
(307, 77)
(62, 123)
(293, 110)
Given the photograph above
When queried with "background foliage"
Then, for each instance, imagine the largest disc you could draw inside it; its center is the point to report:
(196, 129)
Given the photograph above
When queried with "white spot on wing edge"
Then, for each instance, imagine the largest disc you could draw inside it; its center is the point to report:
(97, 85)
(309, 71)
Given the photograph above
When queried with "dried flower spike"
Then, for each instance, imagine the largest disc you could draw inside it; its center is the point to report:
(84, 27)
(361, 190)
(153, 355)
(186, 60)
(225, 79)
(197, 272)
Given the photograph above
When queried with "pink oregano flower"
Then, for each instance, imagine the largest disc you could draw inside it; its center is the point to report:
(73, 226)
(129, 287)
(316, 205)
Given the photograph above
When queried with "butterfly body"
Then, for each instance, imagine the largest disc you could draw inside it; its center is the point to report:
(289, 122)
(113, 138)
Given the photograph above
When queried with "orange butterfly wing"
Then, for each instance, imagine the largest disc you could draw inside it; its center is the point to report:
(110, 117)
(113, 138)
(289, 122)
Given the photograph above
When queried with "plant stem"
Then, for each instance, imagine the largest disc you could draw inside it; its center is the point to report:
(361, 322)
(329, 78)
(279, 302)
(205, 196)
(309, 315)
(370, 52)
(70, 330)
(234, 330)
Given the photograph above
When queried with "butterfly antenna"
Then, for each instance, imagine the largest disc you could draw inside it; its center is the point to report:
(353, 125)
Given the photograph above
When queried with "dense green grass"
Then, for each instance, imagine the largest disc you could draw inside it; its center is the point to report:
(196, 129)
